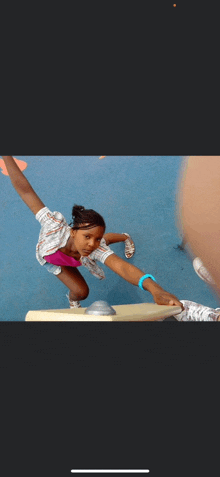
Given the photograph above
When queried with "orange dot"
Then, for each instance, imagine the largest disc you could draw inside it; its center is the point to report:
(21, 164)
(174, 5)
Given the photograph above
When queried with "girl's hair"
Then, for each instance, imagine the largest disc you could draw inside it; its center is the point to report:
(85, 218)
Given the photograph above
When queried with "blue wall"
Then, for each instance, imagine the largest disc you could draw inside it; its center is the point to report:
(135, 194)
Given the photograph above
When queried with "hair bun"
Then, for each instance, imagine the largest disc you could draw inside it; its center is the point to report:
(85, 218)
(77, 209)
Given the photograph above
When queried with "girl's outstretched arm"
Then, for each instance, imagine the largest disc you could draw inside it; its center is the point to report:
(114, 238)
(132, 274)
(22, 186)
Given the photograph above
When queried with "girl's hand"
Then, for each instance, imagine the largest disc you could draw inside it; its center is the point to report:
(161, 297)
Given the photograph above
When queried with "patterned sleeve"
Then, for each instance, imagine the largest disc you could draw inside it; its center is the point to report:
(48, 218)
(101, 253)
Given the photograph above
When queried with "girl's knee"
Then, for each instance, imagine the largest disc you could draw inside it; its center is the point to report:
(80, 294)
(84, 294)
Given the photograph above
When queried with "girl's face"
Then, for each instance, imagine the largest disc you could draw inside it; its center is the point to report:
(86, 241)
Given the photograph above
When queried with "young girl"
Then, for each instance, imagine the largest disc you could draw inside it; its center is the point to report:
(63, 248)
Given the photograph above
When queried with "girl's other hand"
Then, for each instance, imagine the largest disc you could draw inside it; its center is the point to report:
(161, 297)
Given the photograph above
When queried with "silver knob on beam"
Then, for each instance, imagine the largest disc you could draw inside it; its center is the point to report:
(100, 308)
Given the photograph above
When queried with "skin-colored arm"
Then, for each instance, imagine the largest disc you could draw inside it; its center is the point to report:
(132, 274)
(22, 186)
(199, 210)
(114, 238)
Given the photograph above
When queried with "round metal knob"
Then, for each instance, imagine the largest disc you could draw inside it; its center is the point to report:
(100, 308)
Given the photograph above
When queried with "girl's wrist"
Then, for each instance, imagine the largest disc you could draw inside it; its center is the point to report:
(147, 282)
(151, 286)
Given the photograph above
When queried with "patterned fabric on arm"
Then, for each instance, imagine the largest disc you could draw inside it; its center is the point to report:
(54, 235)
(101, 253)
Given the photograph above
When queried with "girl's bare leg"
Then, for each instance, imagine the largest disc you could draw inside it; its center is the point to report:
(72, 278)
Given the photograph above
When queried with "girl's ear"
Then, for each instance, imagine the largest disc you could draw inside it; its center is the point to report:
(72, 233)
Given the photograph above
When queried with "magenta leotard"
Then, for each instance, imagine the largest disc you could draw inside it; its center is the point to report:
(59, 258)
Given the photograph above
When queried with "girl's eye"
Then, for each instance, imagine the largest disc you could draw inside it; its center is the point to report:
(87, 236)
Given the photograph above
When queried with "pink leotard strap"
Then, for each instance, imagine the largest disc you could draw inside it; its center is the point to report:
(59, 258)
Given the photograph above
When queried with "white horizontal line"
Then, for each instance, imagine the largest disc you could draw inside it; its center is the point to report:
(89, 471)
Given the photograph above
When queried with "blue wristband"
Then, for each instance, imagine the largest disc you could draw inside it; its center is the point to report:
(144, 278)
